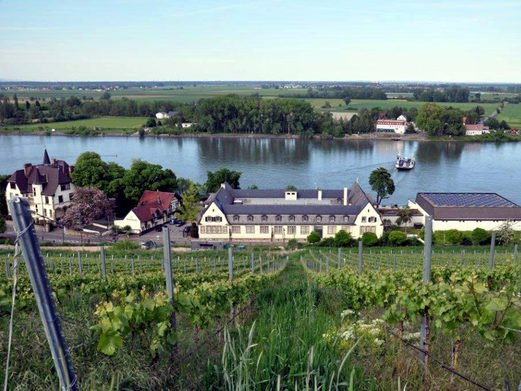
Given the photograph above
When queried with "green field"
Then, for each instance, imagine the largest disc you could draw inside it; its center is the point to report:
(113, 123)
(512, 114)
(357, 104)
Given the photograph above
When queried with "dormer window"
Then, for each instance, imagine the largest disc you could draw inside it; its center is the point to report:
(331, 219)
(250, 218)
(278, 218)
(235, 217)
(346, 219)
(264, 218)
(291, 218)
(319, 219)
(305, 218)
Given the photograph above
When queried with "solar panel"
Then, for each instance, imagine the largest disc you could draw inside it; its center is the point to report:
(468, 200)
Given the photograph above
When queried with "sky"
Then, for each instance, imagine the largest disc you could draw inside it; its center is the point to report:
(334, 40)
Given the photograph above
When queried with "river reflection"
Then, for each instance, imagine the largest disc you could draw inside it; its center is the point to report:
(275, 163)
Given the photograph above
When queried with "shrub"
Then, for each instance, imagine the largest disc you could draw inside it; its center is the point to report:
(397, 238)
(194, 231)
(313, 237)
(327, 242)
(292, 244)
(343, 239)
(480, 236)
(369, 239)
(453, 236)
(506, 235)
(125, 245)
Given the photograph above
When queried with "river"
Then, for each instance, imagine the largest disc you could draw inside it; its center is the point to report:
(276, 163)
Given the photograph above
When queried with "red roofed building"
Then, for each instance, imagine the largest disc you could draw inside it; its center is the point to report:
(153, 209)
(398, 125)
(476, 129)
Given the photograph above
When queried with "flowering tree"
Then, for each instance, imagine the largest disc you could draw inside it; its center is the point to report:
(88, 205)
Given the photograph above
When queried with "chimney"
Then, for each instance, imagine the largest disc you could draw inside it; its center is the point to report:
(53, 160)
(345, 196)
(27, 169)
(319, 195)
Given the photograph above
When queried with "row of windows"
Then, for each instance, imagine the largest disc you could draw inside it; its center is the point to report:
(277, 230)
(318, 218)
(214, 219)
(370, 220)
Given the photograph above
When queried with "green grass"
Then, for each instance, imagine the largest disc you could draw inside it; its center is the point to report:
(357, 104)
(512, 114)
(116, 123)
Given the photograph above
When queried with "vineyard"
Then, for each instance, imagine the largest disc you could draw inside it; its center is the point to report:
(328, 319)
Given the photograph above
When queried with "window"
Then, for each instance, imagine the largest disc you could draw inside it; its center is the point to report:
(236, 218)
(304, 229)
(364, 229)
(264, 218)
(319, 219)
(47, 200)
(236, 229)
(331, 219)
(213, 219)
(201, 229)
(250, 229)
(331, 229)
(13, 185)
(364, 219)
(60, 199)
(292, 229)
(66, 186)
(278, 218)
(264, 229)
(305, 218)
(346, 219)
(34, 191)
(345, 228)
(291, 218)
(250, 218)
(277, 230)
(372, 219)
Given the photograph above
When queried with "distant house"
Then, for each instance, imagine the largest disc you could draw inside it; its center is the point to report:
(154, 208)
(165, 115)
(48, 188)
(467, 211)
(476, 129)
(185, 125)
(398, 125)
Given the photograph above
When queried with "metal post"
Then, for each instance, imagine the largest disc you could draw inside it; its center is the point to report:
(339, 258)
(427, 253)
(360, 257)
(462, 261)
(394, 262)
(7, 269)
(492, 250)
(19, 209)
(103, 264)
(252, 262)
(515, 253)
(230, 263)
(327, 265)
(80, 265)
(167, 262)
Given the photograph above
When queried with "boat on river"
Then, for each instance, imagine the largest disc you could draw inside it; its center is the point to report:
(404, 163)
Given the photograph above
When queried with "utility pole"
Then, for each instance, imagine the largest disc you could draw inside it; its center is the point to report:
(427, 253)
(28, 240)
(167, 263)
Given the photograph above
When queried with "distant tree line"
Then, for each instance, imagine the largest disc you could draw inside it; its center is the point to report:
(439, 121)
(451, 94)
(342, 93)
(13, 112)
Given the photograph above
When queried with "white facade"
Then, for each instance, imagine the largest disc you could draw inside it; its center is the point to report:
(268, 225)
(391, 126)
(44, 208)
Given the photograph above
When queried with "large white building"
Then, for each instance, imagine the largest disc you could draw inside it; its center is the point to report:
(398, 125)
(278, 215)
(47, 187)
(476, 129)
(467, 211)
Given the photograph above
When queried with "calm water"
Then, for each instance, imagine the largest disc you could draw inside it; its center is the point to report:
(275, 163)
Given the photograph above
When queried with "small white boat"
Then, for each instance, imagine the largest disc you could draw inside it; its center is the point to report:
(404, 163)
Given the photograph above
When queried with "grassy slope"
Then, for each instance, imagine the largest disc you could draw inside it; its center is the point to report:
(512, 114)
(100, 122)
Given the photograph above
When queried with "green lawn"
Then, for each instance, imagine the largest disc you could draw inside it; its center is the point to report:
(99, 122)
(512, 114)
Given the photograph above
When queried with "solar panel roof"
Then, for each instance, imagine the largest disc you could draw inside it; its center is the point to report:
(468, 200)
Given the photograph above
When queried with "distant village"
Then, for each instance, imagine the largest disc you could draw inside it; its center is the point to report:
(265, 215)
